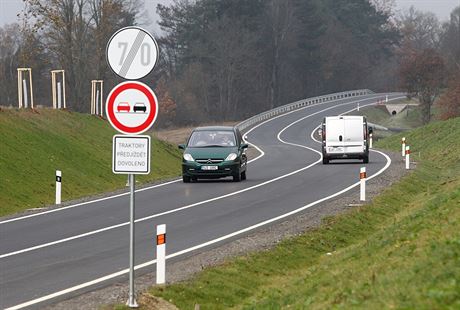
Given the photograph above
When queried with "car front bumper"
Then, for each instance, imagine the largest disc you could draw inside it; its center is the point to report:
(224, 169)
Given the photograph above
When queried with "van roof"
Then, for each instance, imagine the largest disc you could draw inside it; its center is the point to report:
(345, 117)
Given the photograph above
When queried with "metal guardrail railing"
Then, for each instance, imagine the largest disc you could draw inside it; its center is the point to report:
(300, 104)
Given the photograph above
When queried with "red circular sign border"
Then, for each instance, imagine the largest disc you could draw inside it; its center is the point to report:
(147, 91)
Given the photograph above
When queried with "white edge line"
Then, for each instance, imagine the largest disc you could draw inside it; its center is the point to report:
(146, 264)
(177, 180)
(85, 203)
(363, 106)
(44, 245)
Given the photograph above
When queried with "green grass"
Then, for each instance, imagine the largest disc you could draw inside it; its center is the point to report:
(401, 251)
(33, 145)
(407, 119)
(410, 118)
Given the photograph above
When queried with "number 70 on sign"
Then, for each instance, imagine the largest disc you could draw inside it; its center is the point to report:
(132, 53)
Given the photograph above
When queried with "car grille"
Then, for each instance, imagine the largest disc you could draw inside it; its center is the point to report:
(209, 161)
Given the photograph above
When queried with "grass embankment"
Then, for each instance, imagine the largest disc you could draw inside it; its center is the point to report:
(409, 118)
(33, 145)
(400, 251)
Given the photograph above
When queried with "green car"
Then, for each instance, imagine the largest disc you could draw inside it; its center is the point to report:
(214, 152)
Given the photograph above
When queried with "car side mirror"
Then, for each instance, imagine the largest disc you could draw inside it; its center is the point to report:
(181, 146)
(244, 146)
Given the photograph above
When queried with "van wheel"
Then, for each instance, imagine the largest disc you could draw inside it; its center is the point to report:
(366, 159)
(325, 160)
(186, 179)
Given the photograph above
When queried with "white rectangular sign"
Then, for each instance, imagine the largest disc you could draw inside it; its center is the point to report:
(131, 154)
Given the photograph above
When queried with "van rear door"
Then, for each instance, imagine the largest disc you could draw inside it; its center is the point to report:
(354, 135)
(335, 132)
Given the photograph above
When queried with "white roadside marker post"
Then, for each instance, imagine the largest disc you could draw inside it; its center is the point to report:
(403, 146)
(362, 180)
(358, 107)
(386, 98)
(58, 186)
(407, 157)
(161, 254)
(370, 140)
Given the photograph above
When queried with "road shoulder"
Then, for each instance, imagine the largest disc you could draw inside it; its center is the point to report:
(259, 240)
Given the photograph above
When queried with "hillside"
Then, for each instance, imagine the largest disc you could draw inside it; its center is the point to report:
(400, 251)
(34, 144)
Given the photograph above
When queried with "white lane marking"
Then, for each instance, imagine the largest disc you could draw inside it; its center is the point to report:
(312, 135)
(44, 245)
(86, 202)
(149, 263)
(166, 183)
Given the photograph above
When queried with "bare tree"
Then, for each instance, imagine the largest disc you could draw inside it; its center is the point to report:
(420, 30)
(10, 41)
(451, 41)
(280, 18)
(423, 74)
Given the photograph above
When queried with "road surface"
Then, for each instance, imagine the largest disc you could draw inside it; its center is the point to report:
(45, 257)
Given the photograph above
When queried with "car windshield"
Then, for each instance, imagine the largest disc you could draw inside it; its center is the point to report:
(205, 138)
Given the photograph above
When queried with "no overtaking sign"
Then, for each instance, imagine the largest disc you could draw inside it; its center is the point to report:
(131, 107)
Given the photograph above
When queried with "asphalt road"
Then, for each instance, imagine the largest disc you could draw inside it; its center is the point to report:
(45, 258)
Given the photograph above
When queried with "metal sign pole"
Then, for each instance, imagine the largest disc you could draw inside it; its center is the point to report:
(132, 298)
(139, 54)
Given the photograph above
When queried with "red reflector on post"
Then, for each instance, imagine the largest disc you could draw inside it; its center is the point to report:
(407, 152)
(362, 175)
(161, 239)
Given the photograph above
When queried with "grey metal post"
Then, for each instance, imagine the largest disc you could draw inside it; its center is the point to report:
(132, 298)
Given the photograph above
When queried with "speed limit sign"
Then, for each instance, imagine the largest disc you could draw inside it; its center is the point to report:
(132, 53)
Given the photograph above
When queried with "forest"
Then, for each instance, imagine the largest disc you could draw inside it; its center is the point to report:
(230, 59)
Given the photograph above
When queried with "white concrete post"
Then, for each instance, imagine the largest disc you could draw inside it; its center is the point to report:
(370, 140)
(26, 97)
(403, 146)
(59, 95)
(407, 157)
(386, 98)
(358, 107)
(161, 254)
(58, 186)
(362, 180)
(97, 102)
(102, 97)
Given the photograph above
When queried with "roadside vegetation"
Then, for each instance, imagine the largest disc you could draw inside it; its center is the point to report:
(400, 251)
(36, 143)
(409, 118)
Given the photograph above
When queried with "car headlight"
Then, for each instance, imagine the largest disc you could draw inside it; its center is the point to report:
(188, 157)
(231, 156)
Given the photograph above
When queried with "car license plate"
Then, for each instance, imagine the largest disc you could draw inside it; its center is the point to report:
(336, 149)
(209, 167)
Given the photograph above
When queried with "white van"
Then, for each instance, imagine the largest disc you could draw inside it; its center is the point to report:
(345, 137)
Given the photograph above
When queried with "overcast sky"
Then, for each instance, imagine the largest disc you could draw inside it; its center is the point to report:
(442, 8)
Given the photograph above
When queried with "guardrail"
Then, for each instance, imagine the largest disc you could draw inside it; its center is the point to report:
(300, 104)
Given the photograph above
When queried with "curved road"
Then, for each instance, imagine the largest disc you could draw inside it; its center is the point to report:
(46, 256)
